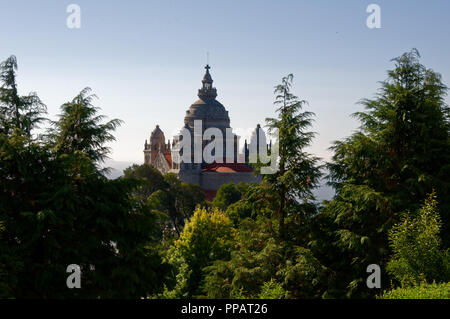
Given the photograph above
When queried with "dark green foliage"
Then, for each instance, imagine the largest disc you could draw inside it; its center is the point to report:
(10, 267)
(79, 128)
(228, 194)
(272, 290)
(273, 219)
(148, 234)
(259, 259)
(385, 169)
(17, 112)
(152, 179)
(57, 209)
(299, 172)
(167, 195)
(182, 199)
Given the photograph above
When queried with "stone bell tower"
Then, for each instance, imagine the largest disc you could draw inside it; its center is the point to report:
(157, 145)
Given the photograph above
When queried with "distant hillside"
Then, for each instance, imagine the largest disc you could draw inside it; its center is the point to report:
(117, 168)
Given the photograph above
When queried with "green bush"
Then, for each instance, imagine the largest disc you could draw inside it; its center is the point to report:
(417, 247)
(207, 236)
(272, 290)
(423, 291)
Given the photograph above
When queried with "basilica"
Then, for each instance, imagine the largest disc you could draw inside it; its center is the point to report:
(232, 166)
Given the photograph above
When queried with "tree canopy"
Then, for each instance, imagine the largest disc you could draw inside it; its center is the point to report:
(149, 235)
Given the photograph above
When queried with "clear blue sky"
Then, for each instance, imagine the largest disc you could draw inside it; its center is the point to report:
(145, 59)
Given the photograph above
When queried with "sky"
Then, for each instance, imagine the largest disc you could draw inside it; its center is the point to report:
(145, 59)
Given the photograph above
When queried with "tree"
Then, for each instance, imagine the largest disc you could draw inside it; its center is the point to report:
(57, 209)
(168, 195)
(17, 112)
(79, 128)
(280, 207)
(299, 171)
(228, 194)
(399, 154)
(184, 198)
(10, 267)
(19, 115)
(152, 179)
(118, 233)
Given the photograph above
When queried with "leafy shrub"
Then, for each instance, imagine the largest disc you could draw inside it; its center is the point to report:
(422, 291)
(206, 237)
(416, 245)
(272, 290)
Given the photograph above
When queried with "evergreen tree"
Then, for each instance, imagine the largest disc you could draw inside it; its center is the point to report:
(79, 128)
(280, 207)
(299, 172)
(383, 170)
(17, 112)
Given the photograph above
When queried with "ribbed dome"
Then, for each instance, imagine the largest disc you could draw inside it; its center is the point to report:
(207, 109)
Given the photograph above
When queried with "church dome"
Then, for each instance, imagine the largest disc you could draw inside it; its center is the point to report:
(207, 108)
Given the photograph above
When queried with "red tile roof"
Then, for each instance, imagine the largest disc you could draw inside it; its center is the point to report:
(227, 168)
(168, 157)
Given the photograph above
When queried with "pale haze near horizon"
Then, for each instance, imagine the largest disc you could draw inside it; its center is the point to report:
(145, 59)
